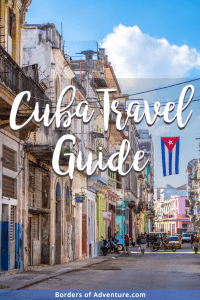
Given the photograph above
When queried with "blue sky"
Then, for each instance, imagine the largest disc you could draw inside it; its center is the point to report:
(177, 21)
(143, 39)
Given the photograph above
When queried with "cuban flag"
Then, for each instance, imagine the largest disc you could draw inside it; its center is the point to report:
(170, 155)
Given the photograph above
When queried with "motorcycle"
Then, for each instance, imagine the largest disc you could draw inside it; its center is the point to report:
(155, 246)
(114, 246)
(105, 246)
(168, 245)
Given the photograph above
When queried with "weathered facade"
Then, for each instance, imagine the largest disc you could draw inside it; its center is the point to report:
(193, 171)
(146, 188)
(13, 169)
(45, 60)
(48, 219)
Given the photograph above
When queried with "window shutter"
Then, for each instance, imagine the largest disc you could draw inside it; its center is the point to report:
(11, 156)
(31, 176)
(9, 187)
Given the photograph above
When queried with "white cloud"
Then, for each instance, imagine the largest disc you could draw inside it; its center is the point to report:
(159, 130)
(137, 55)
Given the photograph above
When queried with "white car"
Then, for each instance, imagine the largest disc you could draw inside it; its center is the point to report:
(186, 238)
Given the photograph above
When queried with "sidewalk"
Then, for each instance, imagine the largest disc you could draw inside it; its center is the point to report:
(37, 274)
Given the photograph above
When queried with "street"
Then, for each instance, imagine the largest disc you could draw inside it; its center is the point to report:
(159, 270)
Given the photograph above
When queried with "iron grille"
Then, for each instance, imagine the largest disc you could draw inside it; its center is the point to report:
(12, 223)
(13, 77)
(35, 227)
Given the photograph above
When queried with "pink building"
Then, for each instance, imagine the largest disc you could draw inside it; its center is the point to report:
(175, 215)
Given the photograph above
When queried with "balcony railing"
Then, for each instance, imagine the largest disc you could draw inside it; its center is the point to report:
(78, 86)
(14, 78)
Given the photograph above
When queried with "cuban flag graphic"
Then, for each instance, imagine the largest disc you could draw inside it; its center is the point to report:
(170, 155)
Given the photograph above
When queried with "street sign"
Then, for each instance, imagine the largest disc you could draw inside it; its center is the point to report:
(80, 199)
(107, 216)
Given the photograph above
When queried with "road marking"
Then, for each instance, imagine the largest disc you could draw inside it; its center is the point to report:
(162, 252)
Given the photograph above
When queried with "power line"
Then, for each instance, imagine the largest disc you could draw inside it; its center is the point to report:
(150, 104)
(165, 87)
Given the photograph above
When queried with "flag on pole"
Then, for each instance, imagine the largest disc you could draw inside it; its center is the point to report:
(170, 155)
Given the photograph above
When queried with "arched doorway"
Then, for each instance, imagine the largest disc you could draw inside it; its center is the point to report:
(58, 225)
(68, 204)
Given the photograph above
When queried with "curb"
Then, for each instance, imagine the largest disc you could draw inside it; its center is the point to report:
(61, 272)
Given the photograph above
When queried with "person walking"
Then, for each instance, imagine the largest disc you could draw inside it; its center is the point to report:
(143, 244)
(138, 240)
(196, 244)
(147, 239)
(192, 239)
(126, 247)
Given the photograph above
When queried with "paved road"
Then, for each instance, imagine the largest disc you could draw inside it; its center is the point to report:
(159, 270)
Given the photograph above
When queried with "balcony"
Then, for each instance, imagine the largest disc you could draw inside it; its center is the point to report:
(148, 187)
(44, 154)
(17, 81)
(78, 86)
(97, 182)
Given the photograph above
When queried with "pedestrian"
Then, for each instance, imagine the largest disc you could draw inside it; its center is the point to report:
(138, 240)
(192, 238)
(143, 244)
(147, 239)
(196, 244)
(126, 247)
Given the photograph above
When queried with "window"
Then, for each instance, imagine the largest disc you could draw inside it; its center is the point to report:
(111, 176)
(119, 181)
(11, 157)
(187, 203)
(118, 212)
(31, 176)
(12, 223)
(57, 88)
(173, 238)
(184, 225)
(186, 234)
(127, 178)
(67, 196)
(35, 227)
(9, 187)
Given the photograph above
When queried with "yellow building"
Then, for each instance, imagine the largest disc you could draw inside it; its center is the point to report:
(13, 14)
(12, 168)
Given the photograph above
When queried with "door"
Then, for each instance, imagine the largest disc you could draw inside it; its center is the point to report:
(84, 235)
(29, 243)
(58, 225)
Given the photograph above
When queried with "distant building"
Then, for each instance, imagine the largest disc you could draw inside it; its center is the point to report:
(171, 209)
(175, 218)
(146, 188)
(193, 171)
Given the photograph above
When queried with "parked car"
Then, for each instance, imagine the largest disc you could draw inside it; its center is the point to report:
(174, 240)
(186, 237)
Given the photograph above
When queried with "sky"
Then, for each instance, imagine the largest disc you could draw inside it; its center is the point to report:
(150, 44)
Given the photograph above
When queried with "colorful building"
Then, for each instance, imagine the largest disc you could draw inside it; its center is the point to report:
(175, 218)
